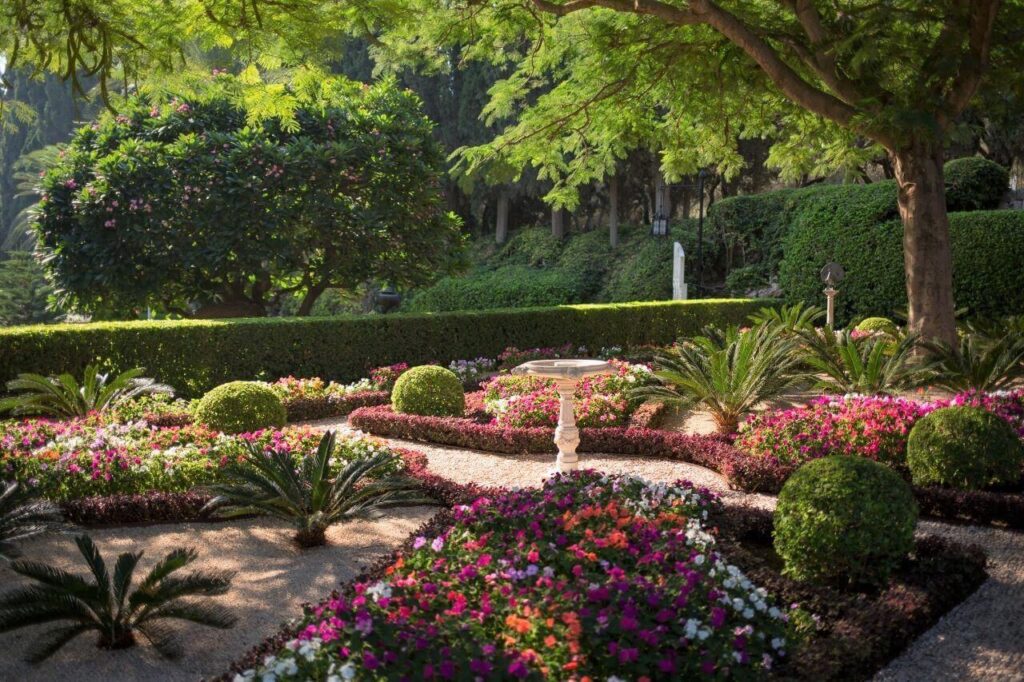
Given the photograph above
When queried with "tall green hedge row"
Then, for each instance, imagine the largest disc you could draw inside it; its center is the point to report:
(987, 246)
(755, 227)
(194, 355)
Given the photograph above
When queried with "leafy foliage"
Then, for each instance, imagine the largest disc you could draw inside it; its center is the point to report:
(105, 602)
(22, 517)
(964, 447)
(429, 390)
(728, 373)
(872, 365)
(241, 406)
(24, 291)
(308, 496)
(63, 396)
(844, 519)
(986, 358)
(975, 184)
(792, 318)
(177, 203)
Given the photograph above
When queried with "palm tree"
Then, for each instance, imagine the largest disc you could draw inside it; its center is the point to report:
(22, 517)
(727, 372)
(988, 357)
(106, 603)
(792, 318)
(307, 496)
(62, 396)
(870, 365)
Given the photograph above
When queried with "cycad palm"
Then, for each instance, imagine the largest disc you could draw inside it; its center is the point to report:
(727, 372)
(988, 357)
(306, 495)
(22, 517)
(62, 396)
(791, 318)
(872, 365)
(106, 603)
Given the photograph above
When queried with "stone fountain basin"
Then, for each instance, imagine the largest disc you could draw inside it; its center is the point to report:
(563, 369)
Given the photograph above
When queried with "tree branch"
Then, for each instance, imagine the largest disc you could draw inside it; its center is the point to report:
(974, 62)
(820, 57)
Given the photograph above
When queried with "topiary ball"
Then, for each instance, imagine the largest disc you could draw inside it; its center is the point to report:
(429, 390)
(241, 406)
(974, 184)
(844, 519)
(878, 324)
(964, 447)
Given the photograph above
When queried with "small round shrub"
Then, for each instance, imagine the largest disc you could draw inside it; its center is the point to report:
(974, 184)
(241, 406)
(964, 447)
(878, 324)
(844, 519)
(429, 390)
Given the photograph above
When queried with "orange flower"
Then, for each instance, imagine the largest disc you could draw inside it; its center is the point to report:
(520, 625)
(550, 641)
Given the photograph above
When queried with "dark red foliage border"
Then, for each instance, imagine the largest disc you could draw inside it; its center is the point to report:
(742, 471)
(859, 633)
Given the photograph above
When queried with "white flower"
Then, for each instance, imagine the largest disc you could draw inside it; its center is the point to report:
(348, 671)
(379, 590)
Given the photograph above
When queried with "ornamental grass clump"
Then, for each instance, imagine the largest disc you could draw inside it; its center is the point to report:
(241, 406)
(429, 390)
(845, 520)
(964, 447)
(590, 577)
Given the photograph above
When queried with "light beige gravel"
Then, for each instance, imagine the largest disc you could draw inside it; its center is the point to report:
(274, 578)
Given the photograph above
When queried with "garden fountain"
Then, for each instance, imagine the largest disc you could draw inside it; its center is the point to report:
(566, 374)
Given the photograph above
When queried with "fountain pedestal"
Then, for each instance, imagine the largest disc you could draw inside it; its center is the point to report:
(566, 375)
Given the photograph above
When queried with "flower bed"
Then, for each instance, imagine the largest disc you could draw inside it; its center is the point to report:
(589, 576)
(600, 401)
(842, 635)
(313, 398)
(65, 460)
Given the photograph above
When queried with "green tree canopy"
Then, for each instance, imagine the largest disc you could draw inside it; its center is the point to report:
(177, 202)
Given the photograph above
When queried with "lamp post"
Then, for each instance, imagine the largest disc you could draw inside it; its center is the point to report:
(659, 226)
(831, 275)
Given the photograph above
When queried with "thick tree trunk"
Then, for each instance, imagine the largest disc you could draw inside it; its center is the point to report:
(613, 211)
(501, 224)
(557, 223)
(928, 262)
(312, 294)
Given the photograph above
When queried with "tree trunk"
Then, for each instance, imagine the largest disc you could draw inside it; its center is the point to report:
(312, 294)
(557, 223)
(501, 224)
(928, 262)
(613, 211)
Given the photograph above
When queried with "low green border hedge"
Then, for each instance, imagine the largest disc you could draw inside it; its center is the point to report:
(196, 355)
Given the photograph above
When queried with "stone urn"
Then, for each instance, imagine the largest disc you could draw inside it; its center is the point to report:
(566, 374)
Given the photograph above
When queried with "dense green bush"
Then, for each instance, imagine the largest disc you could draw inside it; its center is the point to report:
(513, 286)
(964, 447)
(878, 324)
(240, 407)
(975, 184)
(844, 519)
(196, 355)
(988, 247)
(429, 390)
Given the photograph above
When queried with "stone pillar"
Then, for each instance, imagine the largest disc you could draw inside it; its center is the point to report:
(567, 436)
(678, 272)
(501, 227)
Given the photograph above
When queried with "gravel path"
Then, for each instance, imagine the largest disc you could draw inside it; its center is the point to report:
(981, 639)
(273, 579)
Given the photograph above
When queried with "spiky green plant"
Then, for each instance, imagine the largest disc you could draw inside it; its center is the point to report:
(22, 517)
(792, 318)
(306, 495)
(105, 603)
(871, 365)
(62, 396)
(727, 372)
(987, 357)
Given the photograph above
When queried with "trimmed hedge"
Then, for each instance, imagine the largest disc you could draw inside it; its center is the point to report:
(196, 355)
(853, 229)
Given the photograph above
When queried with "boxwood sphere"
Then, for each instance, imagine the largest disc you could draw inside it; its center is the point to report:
(878, 324)
(844, 519)
(964, 447)
(429, 390)
(241, 406)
